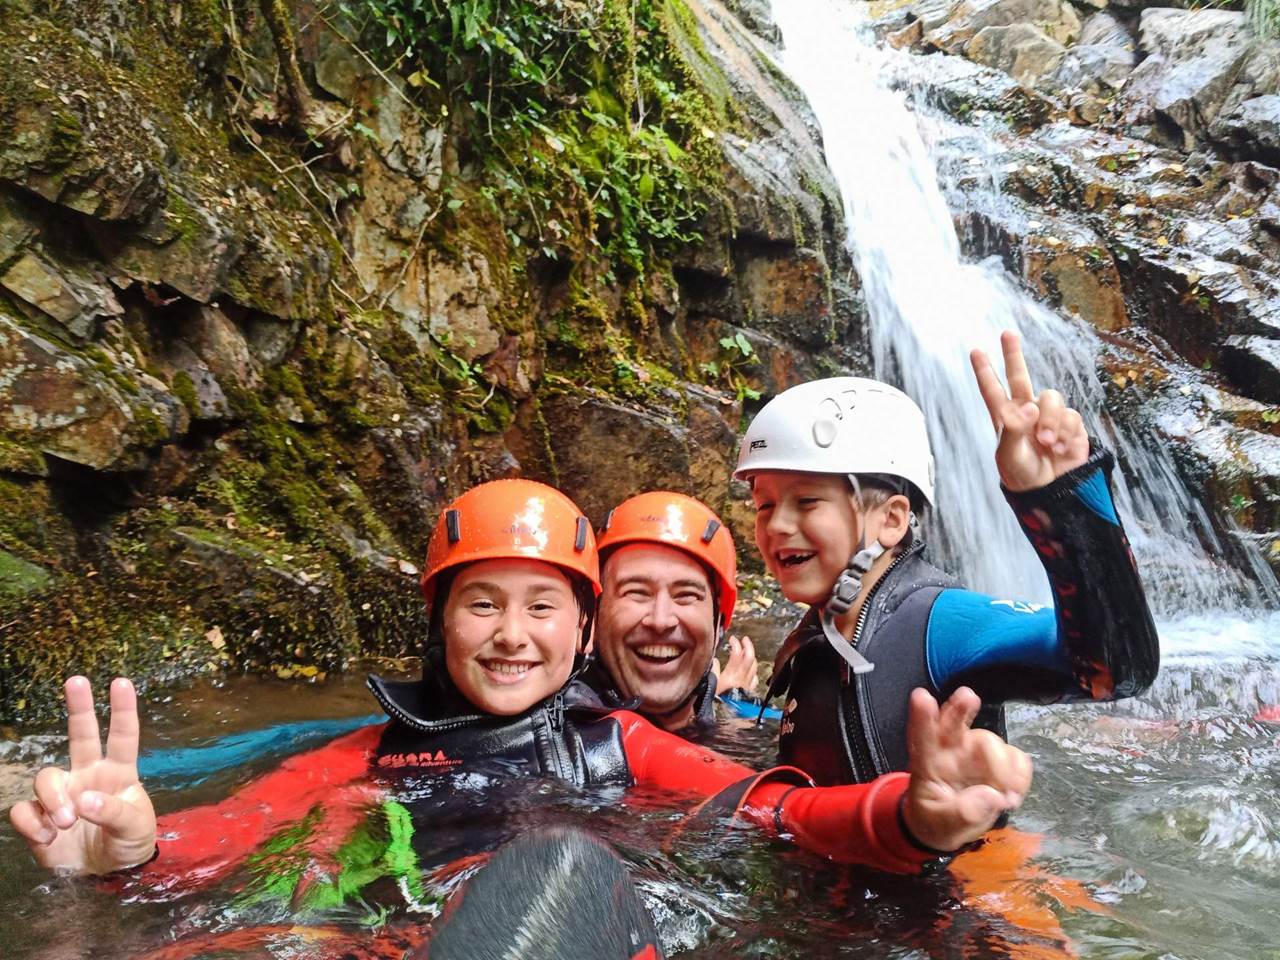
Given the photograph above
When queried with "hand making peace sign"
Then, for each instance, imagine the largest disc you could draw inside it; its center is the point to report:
(95, 817)
(1040, 438)
(961, 779)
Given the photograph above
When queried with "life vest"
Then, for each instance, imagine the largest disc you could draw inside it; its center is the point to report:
(842, 727)
(566, 736)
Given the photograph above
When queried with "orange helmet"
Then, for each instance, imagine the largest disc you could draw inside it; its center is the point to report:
(674, 520)
(512, 519)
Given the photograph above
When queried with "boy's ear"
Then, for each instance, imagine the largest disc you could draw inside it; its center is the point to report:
(897, 520)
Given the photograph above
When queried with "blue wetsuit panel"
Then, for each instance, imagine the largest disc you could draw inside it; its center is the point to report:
(970, 631)
(750, 709)
(1094, 493)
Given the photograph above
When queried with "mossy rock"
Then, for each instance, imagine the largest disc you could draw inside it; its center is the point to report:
(19, 578)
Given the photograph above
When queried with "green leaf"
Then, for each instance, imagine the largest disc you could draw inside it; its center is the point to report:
(645, 187)
(744, 345)
(454, 204)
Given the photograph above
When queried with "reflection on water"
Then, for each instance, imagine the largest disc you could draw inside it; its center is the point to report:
(1157, 824)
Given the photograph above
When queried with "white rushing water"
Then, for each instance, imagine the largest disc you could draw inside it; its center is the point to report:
(928, 307)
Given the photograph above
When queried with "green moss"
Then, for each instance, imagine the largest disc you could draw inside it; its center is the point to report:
(185, 390)
(19, 578)
(16, 457)
(66, 134)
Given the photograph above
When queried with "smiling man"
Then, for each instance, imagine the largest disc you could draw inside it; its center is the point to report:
(668, 569)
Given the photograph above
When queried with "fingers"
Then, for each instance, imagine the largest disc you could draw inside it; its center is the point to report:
(1074, 438)
(53, 793)
(922, 727)
(32, 823)
(957, 715)
(1015, 368)
(999, 765)
(1052, 410)
(82, 724)
(122, 735)
(989, 385)
(979, 806)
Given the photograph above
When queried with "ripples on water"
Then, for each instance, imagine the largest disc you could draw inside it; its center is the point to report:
(1159, 820)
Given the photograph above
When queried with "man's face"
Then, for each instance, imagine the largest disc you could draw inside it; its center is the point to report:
(656, 631)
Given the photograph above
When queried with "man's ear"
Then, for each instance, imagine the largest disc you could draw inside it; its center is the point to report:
(897, 521)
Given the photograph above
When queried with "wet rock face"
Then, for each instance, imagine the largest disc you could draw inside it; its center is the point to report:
(1193, 66)
(74, 136)
(1109, 217)
(265, 359)
(1024, 52)
(1252, 130)
(968, 18)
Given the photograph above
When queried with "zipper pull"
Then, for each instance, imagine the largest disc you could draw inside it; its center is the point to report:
(557, 712)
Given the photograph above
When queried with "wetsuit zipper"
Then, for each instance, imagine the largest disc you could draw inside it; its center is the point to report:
(859, 751)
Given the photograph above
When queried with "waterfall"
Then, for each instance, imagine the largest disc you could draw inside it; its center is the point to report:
(928, 308)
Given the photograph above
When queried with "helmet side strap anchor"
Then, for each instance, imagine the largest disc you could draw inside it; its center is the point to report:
(845, 593)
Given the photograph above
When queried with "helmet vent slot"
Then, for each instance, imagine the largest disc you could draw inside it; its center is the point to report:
(710, 531)
(453, 521)
(580, 536)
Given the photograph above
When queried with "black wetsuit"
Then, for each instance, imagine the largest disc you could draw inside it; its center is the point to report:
(921, 630)
(435, 729)
(601, 681)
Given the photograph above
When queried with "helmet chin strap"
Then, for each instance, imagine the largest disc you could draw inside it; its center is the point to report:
(845, 593)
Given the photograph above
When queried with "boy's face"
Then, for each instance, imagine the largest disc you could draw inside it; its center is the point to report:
(656, 631)
(511, 628)
(807, 529)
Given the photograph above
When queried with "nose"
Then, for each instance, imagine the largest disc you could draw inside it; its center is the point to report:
(782, 521)
(661, 614)
(511, 633)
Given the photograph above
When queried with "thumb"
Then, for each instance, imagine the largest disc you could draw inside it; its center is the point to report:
(116, 816)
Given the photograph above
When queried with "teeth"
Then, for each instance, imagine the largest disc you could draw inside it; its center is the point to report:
(658, 651)
(791, 559)
(506, 666)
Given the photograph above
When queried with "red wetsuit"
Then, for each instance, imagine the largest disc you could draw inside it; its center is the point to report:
(859, 823)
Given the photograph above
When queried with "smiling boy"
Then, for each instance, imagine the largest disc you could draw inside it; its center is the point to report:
(840, 472)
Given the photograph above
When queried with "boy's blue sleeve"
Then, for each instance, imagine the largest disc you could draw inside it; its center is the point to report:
(969, 633)
(1103, 643)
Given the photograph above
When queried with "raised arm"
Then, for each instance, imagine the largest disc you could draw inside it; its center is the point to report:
(1101, 642)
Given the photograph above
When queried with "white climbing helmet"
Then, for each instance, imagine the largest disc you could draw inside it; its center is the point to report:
(846, 425)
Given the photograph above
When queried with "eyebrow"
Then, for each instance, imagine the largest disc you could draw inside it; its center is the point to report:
(648, 581)
(545, 586)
